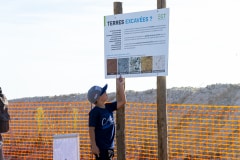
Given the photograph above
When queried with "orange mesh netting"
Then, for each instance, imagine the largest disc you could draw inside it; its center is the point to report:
(194, 131)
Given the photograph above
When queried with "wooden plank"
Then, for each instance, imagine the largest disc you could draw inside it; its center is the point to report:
(120, 115)
(162, 108)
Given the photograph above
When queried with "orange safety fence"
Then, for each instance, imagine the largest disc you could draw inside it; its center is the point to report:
(194, 131)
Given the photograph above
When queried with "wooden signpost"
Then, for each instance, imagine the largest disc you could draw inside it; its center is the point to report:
(162, 129)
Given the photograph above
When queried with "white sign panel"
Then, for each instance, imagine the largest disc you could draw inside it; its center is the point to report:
(136, 44)
(66, 147)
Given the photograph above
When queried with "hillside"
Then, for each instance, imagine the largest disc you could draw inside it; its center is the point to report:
(216, 94)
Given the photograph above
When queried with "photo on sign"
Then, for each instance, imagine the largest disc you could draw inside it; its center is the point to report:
(135, 65)
(111, 66)
(159, 63)
(146, 64)
(123, 66)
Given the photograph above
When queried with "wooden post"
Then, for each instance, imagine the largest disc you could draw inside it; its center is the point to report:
(120, 115)
(162, 109)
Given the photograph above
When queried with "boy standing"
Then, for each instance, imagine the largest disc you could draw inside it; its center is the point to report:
(101, 120)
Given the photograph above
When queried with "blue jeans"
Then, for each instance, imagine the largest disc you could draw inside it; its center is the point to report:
(105, 154)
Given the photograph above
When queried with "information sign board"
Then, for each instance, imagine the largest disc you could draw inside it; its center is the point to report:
(136, 44)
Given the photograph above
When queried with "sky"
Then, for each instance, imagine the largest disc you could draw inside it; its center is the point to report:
(56, 47)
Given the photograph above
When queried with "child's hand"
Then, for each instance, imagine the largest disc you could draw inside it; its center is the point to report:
(95, 150)
(120, 80)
